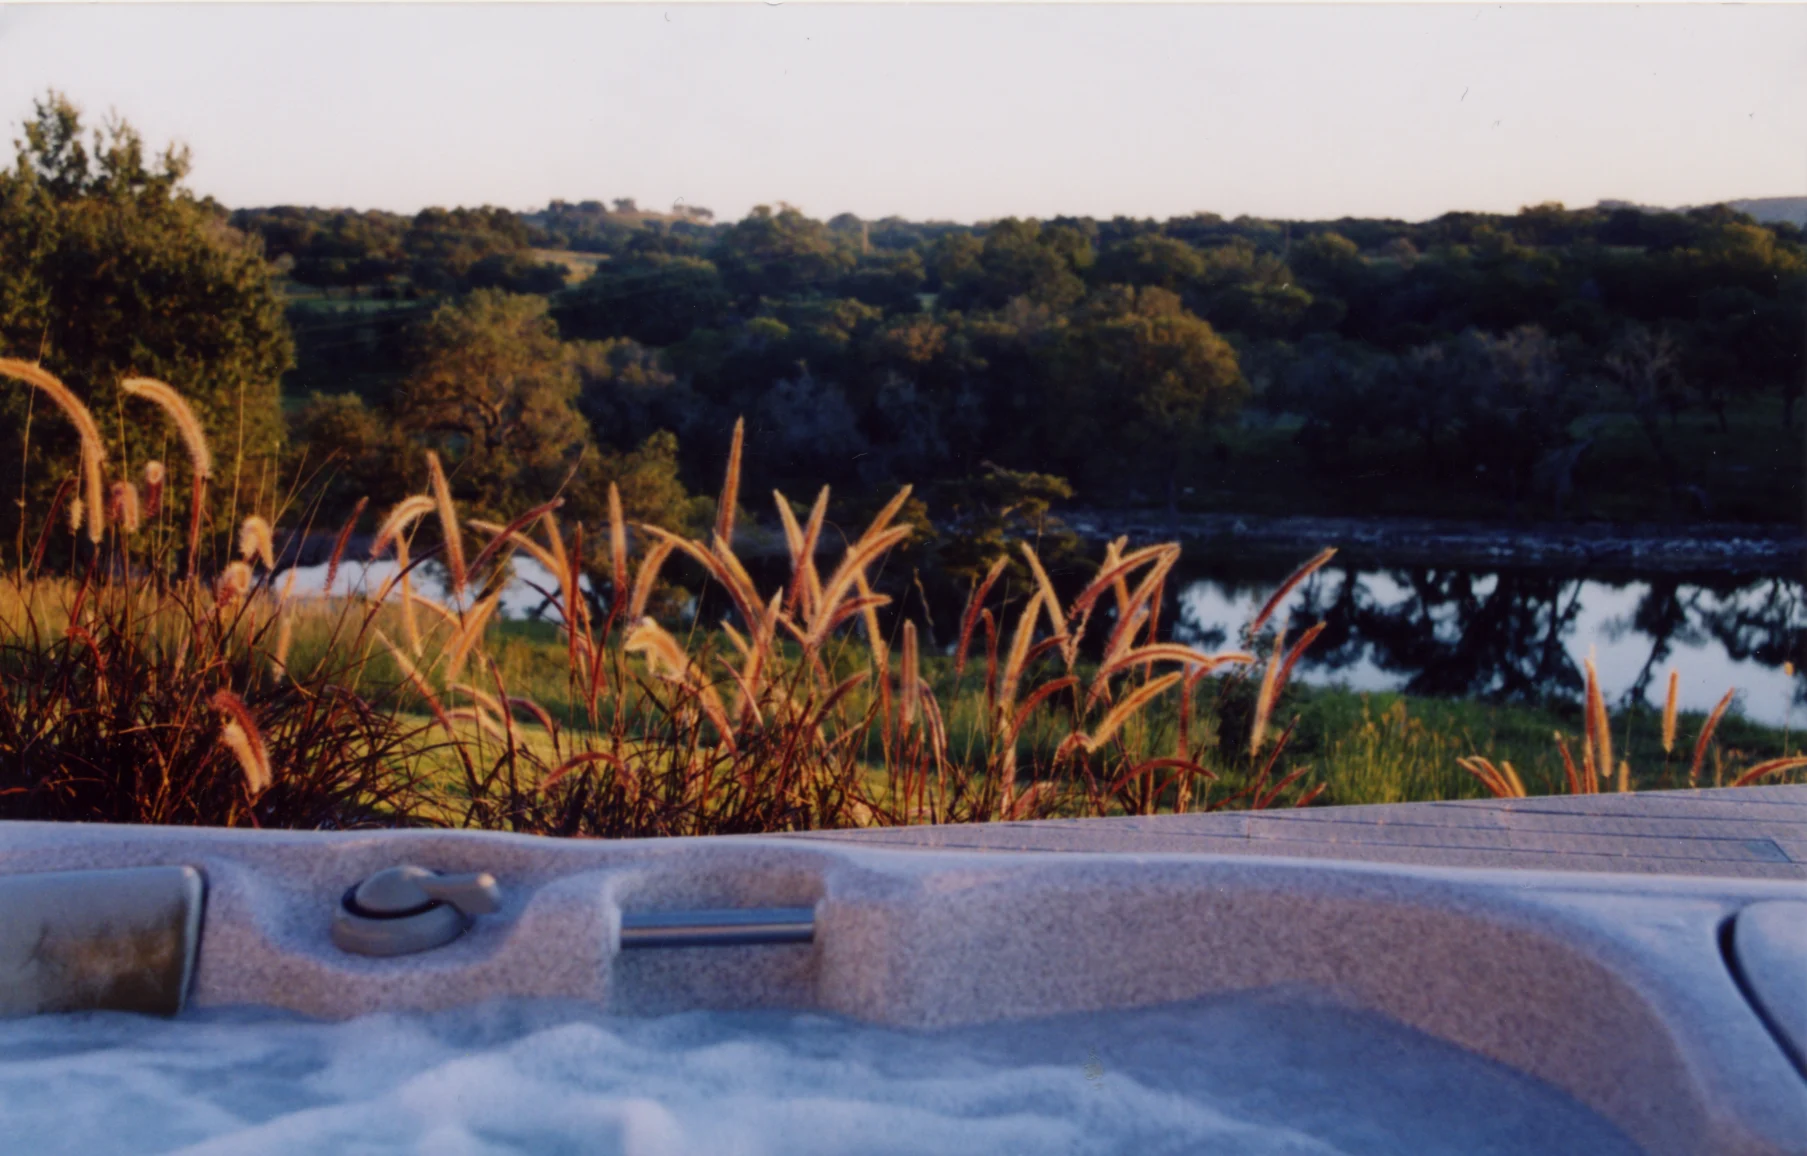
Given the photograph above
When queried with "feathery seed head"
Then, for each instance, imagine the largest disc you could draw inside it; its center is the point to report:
(188, 426)
(123, 507)
(255, 541)
(94, 451)
(241, 736)
(153, 488)
(448, 523)
(405, 513)
(234, 583)
(1669, 705)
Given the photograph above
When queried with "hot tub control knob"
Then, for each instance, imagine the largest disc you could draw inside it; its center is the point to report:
(407, 909)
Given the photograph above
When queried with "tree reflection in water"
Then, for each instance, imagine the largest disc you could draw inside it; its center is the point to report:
(1521, 634)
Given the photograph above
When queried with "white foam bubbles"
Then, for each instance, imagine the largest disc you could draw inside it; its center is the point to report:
(1251, 1076)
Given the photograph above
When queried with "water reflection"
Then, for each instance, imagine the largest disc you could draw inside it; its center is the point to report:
(1524, 634)
(529, 593)
(1447, 632)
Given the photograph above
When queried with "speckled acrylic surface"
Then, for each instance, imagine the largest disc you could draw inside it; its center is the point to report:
(1610, 986)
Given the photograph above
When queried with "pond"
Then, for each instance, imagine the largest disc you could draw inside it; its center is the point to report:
(1447, 632)
(1453, 633)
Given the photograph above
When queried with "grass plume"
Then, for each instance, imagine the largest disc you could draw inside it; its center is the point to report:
(92, 508)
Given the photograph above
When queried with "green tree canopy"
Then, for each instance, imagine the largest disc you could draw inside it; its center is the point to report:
(769, 254)
(110, 267)
(1151, 259)
(652, 297)
(1152, 379)
(1016, 259)
(495, 392)
(492, 389)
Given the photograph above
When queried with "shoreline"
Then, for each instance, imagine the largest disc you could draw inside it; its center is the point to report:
(1648, 548)
(1768, 550)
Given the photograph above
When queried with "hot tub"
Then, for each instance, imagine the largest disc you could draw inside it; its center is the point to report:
(775, 994)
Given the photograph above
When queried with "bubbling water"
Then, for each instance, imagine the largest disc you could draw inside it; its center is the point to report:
(1256, 1076)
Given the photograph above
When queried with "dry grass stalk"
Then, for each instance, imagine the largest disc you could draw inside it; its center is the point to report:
(516, 538)
(94, 451)
(188, 426)
(1196, 660)
(1501, 781)
(1050, 600)
(338, 554)
(484, 722)
(1264, 698)
(757, 654)
(1706, 736)
(1131, 705)
(1113, 574)
(810, 590)
(1293, 655)
(869, 603)
(1113, 554)
(1578, 783)
(285, 637)
(1771, 767)
(970, 618)
(1669, 708)
(730, 497)
(471, 632)
(448, 524)
(793, 533)
(663, 651)
(483, 698)
(411, 674)
(241, 736)
(404, 514)
(617, 545)
(390, 533)
(747, 592)
(1599, 727)
(853, 566)
(1018, 654)
(646, 578)
(910, 677)
(1287, 587)
(1036, 697)
(555, 546)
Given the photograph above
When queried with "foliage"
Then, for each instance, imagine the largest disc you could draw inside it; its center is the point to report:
(1147, 378)
(656, 298)
(491, 389)
(132, 697)
(123, 699)
(990, 511)
(110, 268)
(769, 254)
(1596, 768)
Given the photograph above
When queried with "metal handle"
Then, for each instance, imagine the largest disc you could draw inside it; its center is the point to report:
(722, 927)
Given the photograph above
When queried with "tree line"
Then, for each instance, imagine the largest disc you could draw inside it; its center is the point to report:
(1001, 366)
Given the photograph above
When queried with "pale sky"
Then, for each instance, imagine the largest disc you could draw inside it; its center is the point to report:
(954, 112)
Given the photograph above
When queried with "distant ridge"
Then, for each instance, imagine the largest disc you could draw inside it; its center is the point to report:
(1766, 210)
(1769, 210)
